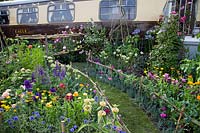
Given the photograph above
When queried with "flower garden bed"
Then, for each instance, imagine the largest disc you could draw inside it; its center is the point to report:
(173, 104)
(53, 97)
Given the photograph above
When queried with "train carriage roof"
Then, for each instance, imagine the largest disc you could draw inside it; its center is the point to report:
(24, 2)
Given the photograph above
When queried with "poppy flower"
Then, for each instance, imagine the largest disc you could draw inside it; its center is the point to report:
(30, 46)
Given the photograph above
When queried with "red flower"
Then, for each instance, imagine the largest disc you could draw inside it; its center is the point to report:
(69, 96)
(61, 85)
(107, 111)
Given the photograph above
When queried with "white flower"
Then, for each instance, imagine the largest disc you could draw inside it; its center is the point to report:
(115, 110)
(64, 47)
(101, 113)
(49, 58)
(102, 103)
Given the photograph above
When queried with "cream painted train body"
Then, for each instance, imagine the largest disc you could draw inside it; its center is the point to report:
(44, 16)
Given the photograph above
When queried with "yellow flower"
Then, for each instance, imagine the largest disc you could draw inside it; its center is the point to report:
(7, 108)
(161, 69)
(43, 94)
(49, 104)
(145, 71)
(81, 85)
(101, 113)
(3, 101)
(75, 94)
(198, 97)
(190, 83)
(54, 99)
(38, 89)
(8, 97)
(190, 76)
(36, 97)
(3, 105)
(102, 103)
(115, 110)
(197, 83)
(44, 91)
(14, 110)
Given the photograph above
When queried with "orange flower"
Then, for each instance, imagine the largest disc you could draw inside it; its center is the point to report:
(75, 94)
(198, 97)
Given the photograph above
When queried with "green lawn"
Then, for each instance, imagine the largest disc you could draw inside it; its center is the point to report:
(134, 117)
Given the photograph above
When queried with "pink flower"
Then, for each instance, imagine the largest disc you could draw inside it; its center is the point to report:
(189, 3)
(64, 32)
(94, 91)
(179, 33)
(109, 78)
(183, 19)
(163, 115)
(173, 12)
(182, 8)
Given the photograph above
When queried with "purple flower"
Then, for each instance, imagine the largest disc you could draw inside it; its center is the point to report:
(53, 89)
(68, 120)
(40, 71)
(28, 85)
(33, 77)
(183, 80)
(174, 82)
(166, 76)
(15, 118)
(136, 31)
(151, 75)
(1, 110)
(94, 91)
(38, 94)
(163, 115)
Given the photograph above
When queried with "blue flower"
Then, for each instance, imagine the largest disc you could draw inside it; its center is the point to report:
(85, 121)
(122, 132)
(43, 122)
(71, 130)
(68, 120)
(75, 126)
(31, 118)
(1, 109)
(15, 118)
(96, 98)
(114, 127)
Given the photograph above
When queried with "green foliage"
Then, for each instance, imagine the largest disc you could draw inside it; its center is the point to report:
(169, 50)
(95, 39)
(30, 58)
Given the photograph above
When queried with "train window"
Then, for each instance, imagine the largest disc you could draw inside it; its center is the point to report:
(27, 15)
(4, 17)
(112, 9)
(61, 12)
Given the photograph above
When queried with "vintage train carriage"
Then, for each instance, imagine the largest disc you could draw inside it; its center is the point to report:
(44, 16)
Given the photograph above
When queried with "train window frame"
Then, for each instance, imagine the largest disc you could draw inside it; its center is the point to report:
(135, 11)
(37, 14)
(7, 15)
(73, 15)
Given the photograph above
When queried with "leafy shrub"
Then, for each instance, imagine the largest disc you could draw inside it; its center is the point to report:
(169, 50)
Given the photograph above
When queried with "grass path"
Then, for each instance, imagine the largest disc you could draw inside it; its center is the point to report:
(134, 117)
